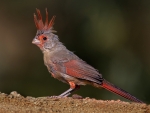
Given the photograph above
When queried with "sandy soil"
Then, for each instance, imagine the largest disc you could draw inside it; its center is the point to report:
(15, 103)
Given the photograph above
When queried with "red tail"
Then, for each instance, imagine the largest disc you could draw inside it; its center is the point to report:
(119, 91)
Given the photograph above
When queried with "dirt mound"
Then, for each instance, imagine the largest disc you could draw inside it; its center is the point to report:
(15, 103)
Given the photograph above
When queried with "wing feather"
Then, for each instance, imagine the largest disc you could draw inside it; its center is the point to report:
(79, 69)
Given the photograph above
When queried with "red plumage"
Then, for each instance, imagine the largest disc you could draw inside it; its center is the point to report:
(39, 22)
(112, 88)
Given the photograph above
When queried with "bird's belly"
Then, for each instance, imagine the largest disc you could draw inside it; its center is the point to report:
(59, 77)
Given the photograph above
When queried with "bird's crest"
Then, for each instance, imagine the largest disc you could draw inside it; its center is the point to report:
(39, 22)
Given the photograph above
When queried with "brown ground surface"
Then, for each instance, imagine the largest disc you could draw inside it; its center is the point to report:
(15, 103)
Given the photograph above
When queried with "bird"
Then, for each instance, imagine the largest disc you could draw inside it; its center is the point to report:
(67, 67)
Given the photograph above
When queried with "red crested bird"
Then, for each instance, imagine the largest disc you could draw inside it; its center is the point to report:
(65, 66)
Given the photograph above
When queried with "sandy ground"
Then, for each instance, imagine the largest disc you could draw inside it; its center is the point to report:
(15, 103)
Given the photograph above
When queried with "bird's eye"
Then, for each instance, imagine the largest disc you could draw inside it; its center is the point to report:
(44, 38)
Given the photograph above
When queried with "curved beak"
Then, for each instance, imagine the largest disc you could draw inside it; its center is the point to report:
(35, 41)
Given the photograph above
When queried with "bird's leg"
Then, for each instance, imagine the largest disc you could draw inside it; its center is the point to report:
(72, 88)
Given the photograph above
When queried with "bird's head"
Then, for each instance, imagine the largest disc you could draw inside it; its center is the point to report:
(44, 39)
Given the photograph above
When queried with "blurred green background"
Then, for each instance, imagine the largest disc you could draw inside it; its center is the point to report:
(112, 35)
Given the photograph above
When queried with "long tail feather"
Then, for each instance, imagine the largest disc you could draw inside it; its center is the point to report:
(119, 91)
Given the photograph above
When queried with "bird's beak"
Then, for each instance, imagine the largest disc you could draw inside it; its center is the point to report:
(36, 41)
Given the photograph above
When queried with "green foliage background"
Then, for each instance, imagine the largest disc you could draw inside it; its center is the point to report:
(111, 35)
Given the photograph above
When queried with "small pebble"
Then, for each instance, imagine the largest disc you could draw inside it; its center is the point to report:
(75, 96)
